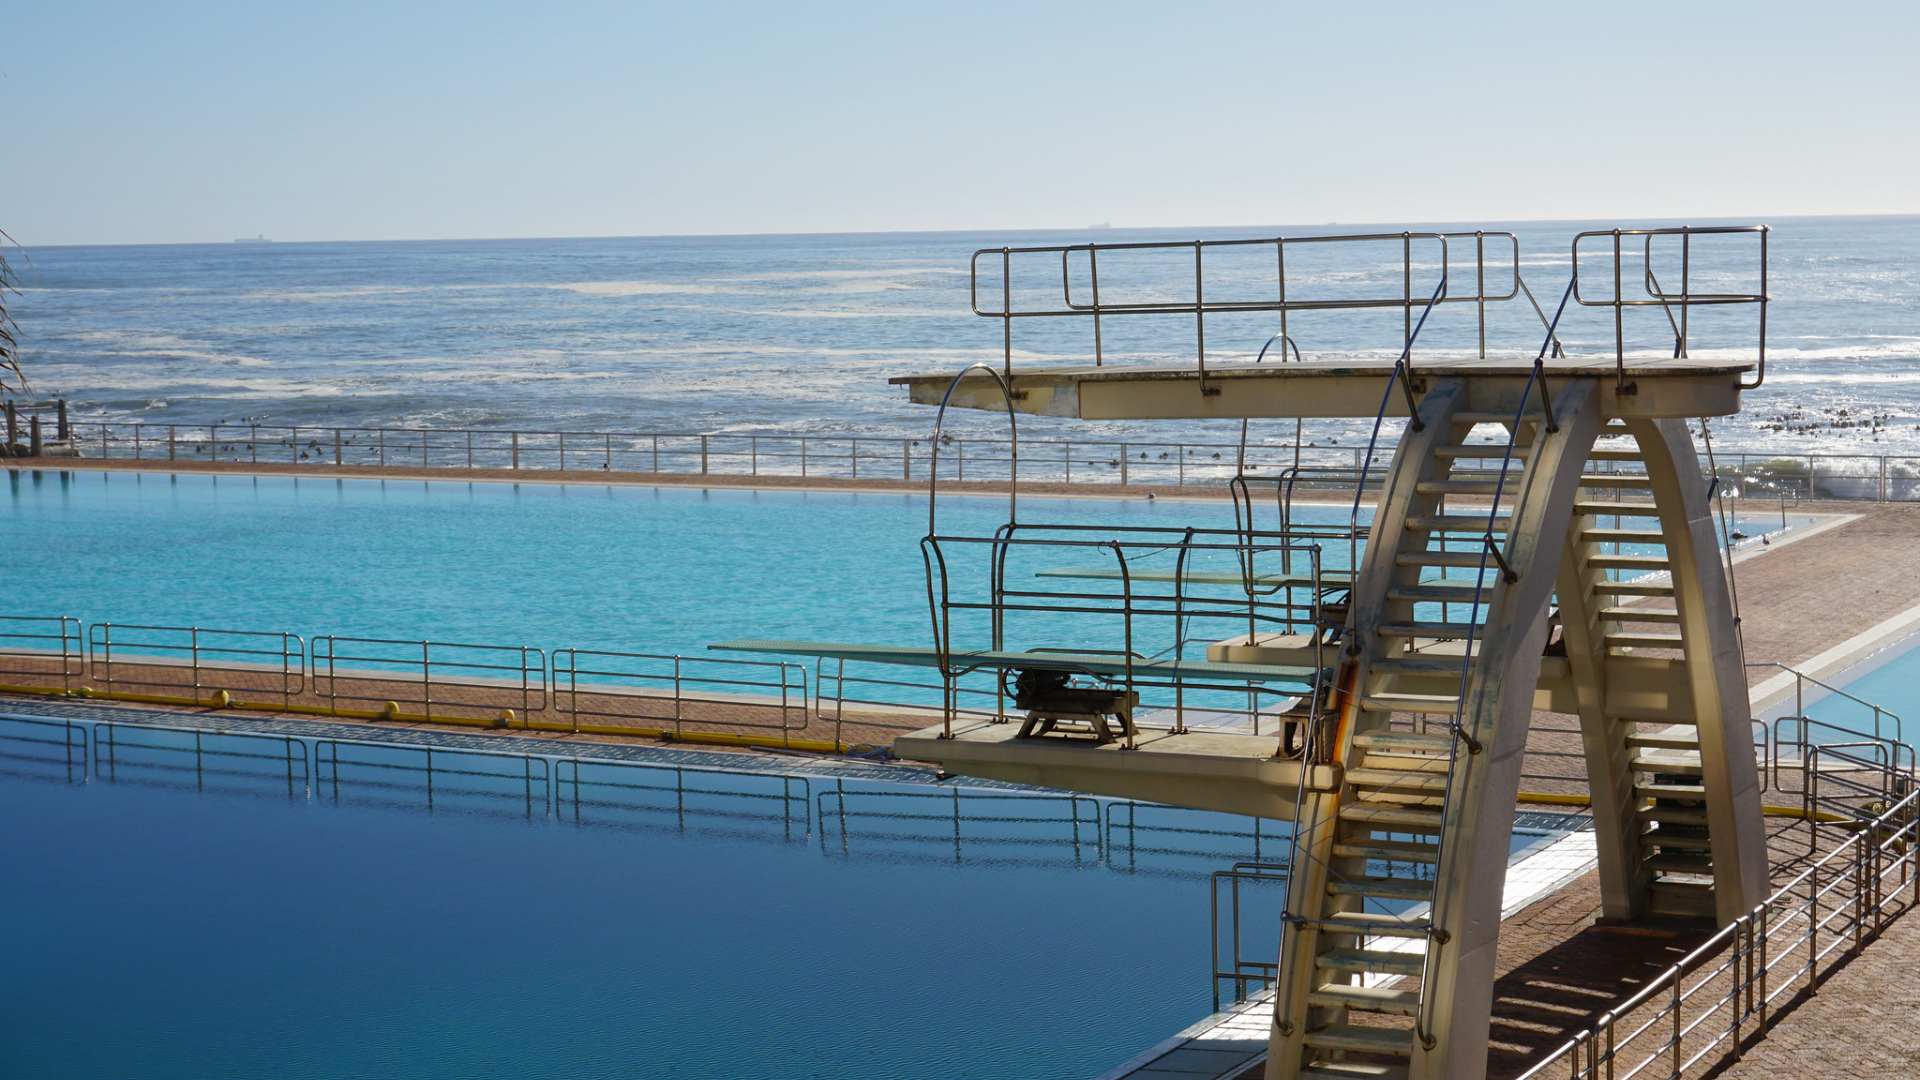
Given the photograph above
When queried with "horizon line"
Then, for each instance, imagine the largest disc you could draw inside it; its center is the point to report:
(263, 240)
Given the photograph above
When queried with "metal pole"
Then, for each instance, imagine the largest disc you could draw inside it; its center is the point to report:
(563, 451)
(1124, 454)
(516, 450)
(906, 460)
(703, 455)
(171, 439)
(855, 454)
(336, 446)
(63, 432)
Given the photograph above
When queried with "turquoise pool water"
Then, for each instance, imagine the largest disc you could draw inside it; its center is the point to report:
(658, 570)
(229, 914)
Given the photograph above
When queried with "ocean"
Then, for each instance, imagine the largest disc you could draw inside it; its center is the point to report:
(798, 334)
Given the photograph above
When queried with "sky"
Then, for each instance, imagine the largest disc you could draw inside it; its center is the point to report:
(143, 122)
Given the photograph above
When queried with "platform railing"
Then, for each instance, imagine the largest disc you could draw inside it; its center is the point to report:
(223, 749)
(1701, 1010)
(1684, 299)
(341, 765)
(605, 687)
(198, 662)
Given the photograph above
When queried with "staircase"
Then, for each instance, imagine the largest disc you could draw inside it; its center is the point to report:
(1623, 576)
(1367, 918)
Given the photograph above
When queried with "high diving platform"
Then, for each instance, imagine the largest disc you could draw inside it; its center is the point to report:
(1530, 527)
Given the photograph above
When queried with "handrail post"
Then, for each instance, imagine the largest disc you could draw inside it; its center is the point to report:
(703, 455)
(1123, 464)
(514, 459)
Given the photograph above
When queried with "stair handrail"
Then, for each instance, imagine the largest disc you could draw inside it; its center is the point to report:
(1457, 722)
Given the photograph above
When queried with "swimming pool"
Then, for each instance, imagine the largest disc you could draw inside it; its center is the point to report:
(645, 569)
(252, 909)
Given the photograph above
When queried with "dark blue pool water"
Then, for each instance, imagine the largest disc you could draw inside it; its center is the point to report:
(291, 908)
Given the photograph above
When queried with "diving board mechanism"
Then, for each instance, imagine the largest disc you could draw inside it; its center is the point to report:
(1541, 537)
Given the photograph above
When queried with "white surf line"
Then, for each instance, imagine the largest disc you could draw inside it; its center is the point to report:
(1237, 1036)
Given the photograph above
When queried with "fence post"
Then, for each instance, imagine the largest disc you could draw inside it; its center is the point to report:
(516, 450)
(1067, 447)
(63, 432)
(425, 434)
(469, 448)
(34, 443)
(703, 455)
(803, 455)
(563, 451)
(855, 454)
(960, 461)
(906, 460)
(609, 463)
(171, 442)
(336, 446)
(1124, 454)
(1180, 454)
(136, 441)
(753, 455)
(253, 444)
(381, 438)
(656, 453)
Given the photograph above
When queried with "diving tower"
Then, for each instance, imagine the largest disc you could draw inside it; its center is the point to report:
(1540, 537)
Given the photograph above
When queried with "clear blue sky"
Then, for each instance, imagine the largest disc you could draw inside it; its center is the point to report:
(143, 122)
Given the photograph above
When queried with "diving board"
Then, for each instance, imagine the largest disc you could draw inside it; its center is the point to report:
(1100, 665)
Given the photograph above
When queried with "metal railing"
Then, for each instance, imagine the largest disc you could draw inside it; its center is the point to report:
(448, 773)
(881, 458)
(599, 791)
(227, 750)
(429, 675)
(624, 687)
(41, 647)
(198, 661)
(1244, 975)
(1726, 989)
(1685, 298)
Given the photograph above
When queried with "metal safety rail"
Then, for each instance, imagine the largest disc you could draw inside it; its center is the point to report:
(340, 766)
(1254, 292)
(620, 688)
(597, 791)
(41, 649)
(1883, 723)
(1700, 1011)
(220, 754)
(429, 675)
(1150, 607)
(198, 662)
(1000, 827)
(71, 743)
(881, 457)
(1685, 299)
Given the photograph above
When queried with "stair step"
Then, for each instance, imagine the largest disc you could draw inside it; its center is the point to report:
(1444, 488)
(1686, 740)
(1680, 862)
(1370, 924)
(1390, 887)
(1634, 588)
(1640, 614)
(1475, 556)
(1369, 1039)
(1629, 562)
(1442, 592)
(1480, 450)
(1677, 839)
(1620, 640)
(1394, 963)
(1387, 851)
(1683, 762)
(1420, 763)
(1407, 818)
(1436, 630)
(1470, 416)
(1415, 664)
(1404, 742)
(1370, 998)
(1615, 480)
(1611, 508)
(1685, 898)
(1473, 523)
(1597, 454)
(1351, 1070)
(1623, 536)
(1673, 815)
(1427, 704)
(1679, 792)
(1365, 777)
